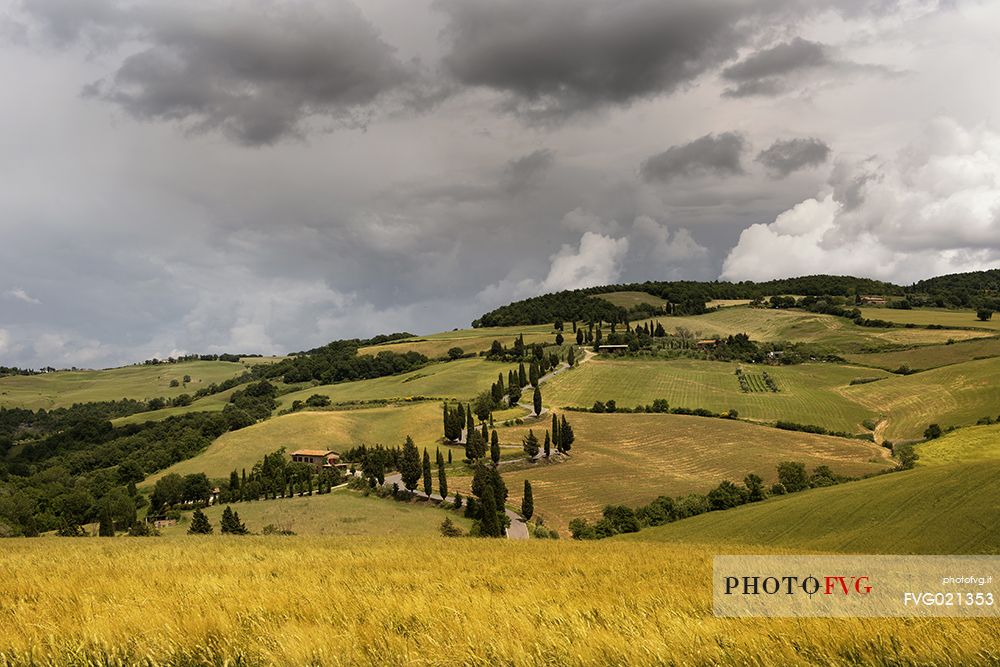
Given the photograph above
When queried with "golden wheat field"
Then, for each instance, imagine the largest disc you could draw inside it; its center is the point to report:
(431, 601)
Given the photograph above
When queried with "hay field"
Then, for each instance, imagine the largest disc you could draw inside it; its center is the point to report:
(926, 316)
(461, 379)
(943, 509)
(810, 393)
(343, 513)
(434, 601)
(930, 356)
(436, 346)
(334, 429)
(64, 388)
(632, 459)
(630, 300)
(957, 395)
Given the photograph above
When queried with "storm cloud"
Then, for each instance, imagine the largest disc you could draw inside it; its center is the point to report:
(260, 73)
(787, 155)
(269, 175)
(715, 155)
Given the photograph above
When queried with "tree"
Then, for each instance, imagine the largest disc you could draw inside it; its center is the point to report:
(231, 524)
(755, 487)
(107, 524)
(489, 524)
(527, 502)
(792, 476)
(559, 339)
(200, 524)
(984, 314)
(536, 401)
(449, 456)
(409, 465)
(456, 353)
(495, 447)
(533, 375)
(530, 444)
(442, 476)
(475, 446)
(555, 433)
(548, 445)
(449, 529)
(427, 473)
(571, 357)
(522, 377)
(725, 496)
(932, 432)
(566, 436)
(906, 455)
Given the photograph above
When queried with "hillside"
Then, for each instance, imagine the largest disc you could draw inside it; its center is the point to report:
(943, 509)
(64, 388)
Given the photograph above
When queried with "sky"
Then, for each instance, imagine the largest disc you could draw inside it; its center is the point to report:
(264, 176)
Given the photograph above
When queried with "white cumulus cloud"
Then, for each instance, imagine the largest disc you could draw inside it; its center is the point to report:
(932, 209)
(21, 295)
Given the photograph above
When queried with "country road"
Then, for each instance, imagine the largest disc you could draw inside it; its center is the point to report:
(518, 528)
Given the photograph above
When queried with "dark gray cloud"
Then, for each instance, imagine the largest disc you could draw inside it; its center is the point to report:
(524, 173)
(559, 57)
(719, 155)
(788, 65)
(258, 73)
(787, 155)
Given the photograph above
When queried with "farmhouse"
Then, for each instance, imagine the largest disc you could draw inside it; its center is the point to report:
(873, 300)
(612, 348)
(317, 457)
(707, 343)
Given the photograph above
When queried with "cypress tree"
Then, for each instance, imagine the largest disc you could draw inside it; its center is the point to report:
(234, 482)
(548, 445)
(559, 339)
(500, 384)
(536, 401)
(409, 465)
(309, 485)
(200, 524)
(495, 448)
(449, 456)
(485, 433)
(442, 477)
(470, 425)
(522, 377)
(571, 357)
(107, 524)
(447, 421)
(527, 502)
(566, 435)
(555, 433)
(489, 524)
(530, 444)
(427, 473)
(231, 524)
(533, 374)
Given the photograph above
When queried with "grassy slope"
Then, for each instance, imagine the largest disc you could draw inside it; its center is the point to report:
(930, 356)
(631, 299)
(336, 430)
(957, 395)
(461, 379)
(975, 443)
(926, 316)
(940, 509)
(64, 388)
(336, 601)
(342, 512)
(809, 392)
(801, 326)
(436, 346)
(632, 459)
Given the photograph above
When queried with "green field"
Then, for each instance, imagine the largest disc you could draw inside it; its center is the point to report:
(436, 346)
(810, 393)
(461, 379)
(835, 333)
(336, 430)
(630, 300)
(632, 459)
(975, 443)
(957, 395)
(927, 316)
(64, 388)
(343, 513)
(930, 356)
(944, 509)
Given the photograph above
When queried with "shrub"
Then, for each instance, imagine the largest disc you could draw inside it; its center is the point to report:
(449, 529)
